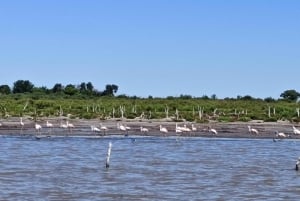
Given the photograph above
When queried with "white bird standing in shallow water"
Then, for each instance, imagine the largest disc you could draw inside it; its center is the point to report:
(214, 131)
(70, 126)
(163, 129)
(123, 128)
(38, 128)
(94, 129)
(49, 125)
(280, 135)
(144, 130)
(194, 128)
(296, 131)
(22, 124)
(103, 128)
(252, 130)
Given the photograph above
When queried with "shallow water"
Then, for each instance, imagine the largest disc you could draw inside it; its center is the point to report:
(148, 169)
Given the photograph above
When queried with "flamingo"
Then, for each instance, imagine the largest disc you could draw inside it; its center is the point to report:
(252, 130)
(38, 128)
(22, 124)
(296, 131)
(104, 128)
(144, 130)
(178, 129)
(63, 126)
(280, 135)
(194, 128)
(122, 128)
(163, 129)
(186, 129)
(70, 126)
(214, 131)
(95, 129)
(49, 125)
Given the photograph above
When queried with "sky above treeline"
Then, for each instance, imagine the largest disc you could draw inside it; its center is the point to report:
(154, 47)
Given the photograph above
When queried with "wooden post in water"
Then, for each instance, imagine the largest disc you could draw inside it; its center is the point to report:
(108, 155)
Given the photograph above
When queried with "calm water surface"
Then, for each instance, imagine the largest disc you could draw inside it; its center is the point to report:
(148, 169)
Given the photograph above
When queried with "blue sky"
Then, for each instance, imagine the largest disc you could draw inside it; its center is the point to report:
(154, 47)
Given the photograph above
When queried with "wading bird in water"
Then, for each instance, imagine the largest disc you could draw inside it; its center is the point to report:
(252, 130)
(22, 124)
(212, 130)
(163, 129)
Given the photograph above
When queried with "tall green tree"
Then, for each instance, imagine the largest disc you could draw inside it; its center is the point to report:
(5, 89)
(22, 86)
(90, 87)
(291, 95)
(110, 90)
(82, 87)
(71, 90)
(57, 88)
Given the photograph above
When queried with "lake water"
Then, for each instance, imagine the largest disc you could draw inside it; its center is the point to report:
(148, 169)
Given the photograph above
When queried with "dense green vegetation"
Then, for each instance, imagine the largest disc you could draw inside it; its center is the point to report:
(83, 101)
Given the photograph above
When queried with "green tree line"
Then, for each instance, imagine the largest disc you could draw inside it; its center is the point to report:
(84, 101)
(25, 86)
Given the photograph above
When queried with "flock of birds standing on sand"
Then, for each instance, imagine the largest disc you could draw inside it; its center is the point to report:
(164, 130)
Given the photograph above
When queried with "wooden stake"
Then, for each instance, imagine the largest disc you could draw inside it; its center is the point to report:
(108, 155)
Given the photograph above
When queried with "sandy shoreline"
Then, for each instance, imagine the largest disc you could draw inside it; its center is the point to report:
(82, 127)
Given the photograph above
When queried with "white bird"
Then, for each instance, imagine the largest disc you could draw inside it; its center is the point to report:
(296, 131)
(22, 124)
(63, 125)
(163, 129)
(186, 129)
(252, 130)
(178, 129)
(103, 128)
(144, 130)
(49, 125)
(121, 127)
(38, 127)
(214, 131)
(95, 129)
(70, 126)
(194, 128)
(280, 135)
